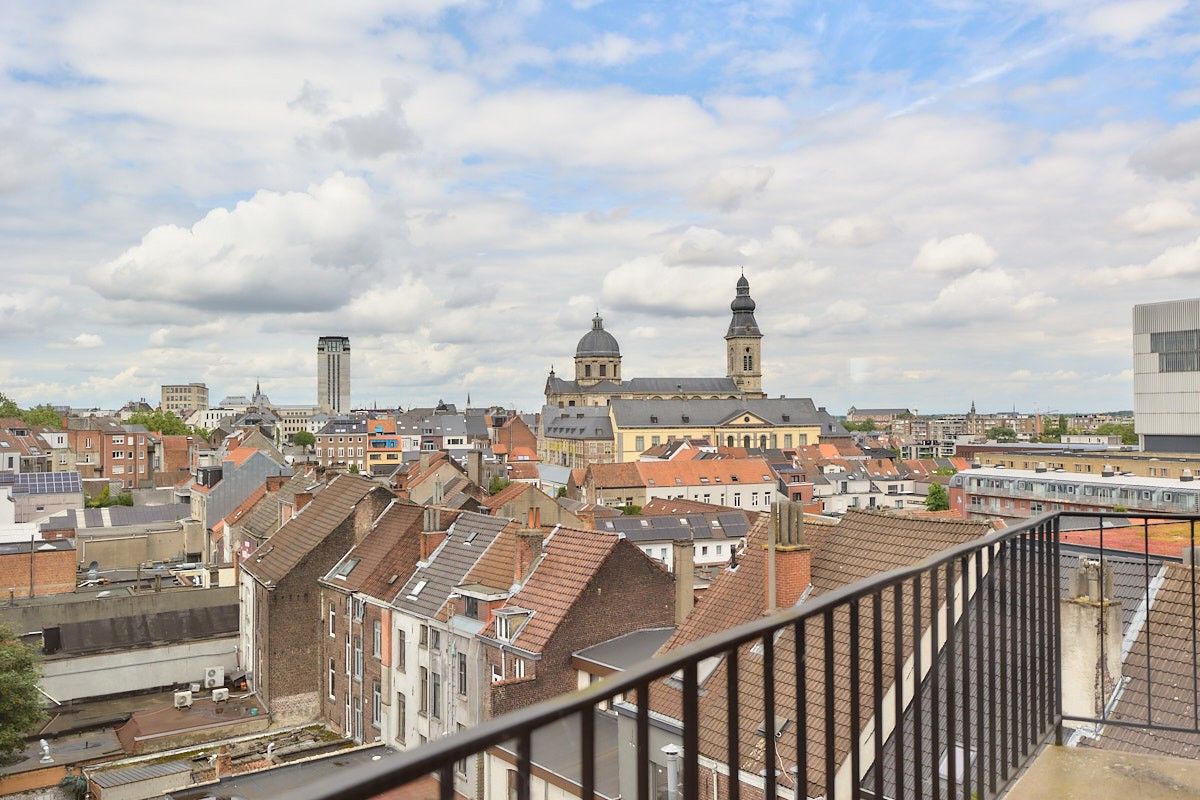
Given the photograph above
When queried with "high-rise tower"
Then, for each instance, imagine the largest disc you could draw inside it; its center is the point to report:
(743, 343)
(333, 374)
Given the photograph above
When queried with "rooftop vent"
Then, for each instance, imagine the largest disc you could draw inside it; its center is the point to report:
(1108, 471)
(1041, 467)
(1186, 476)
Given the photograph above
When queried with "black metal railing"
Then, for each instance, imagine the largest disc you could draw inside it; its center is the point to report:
(937, 680)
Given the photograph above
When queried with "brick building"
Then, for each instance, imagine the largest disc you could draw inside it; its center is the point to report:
(356, 636)
(37, 568)
(577, 588)
(125, 454)
(280, 624)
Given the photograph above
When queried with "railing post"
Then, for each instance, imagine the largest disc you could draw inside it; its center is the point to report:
(1057, 644)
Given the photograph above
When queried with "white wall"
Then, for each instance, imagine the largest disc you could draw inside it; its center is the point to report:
(79, 677)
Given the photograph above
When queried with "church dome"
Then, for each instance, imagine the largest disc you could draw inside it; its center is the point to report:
(743, 301)
(598, 342)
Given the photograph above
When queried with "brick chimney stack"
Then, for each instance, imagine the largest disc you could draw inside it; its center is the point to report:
(529, 546)
(430, 534)
(1091, 625)
(683, 558)
(789, 558)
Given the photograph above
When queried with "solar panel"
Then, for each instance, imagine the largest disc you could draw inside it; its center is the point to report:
(48, 483)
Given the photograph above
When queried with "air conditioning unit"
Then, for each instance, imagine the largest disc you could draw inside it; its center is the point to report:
(220, 695)
(214, 677)
(183, 699)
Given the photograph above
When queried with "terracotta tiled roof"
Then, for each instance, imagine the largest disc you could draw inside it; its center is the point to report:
(716, 471)
(387, 555)
(506, 495)
(523, 471)
(861, 545)
(570, 560)
(240, 455)
(303, 532)
(495, 569)
(1172, 637)
(664, 507)
(246, 505)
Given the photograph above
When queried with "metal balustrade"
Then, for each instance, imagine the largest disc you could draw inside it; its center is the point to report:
(938, 680)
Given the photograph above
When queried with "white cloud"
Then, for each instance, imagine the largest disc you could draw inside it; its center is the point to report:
(857, 231)
(294, 251)
(1181, 261)
(1129, 20)
(1174, 155)
(731, 186)
(983, 295)
(88, 341)
(954, 255)
(608, 50)
(1159, 216)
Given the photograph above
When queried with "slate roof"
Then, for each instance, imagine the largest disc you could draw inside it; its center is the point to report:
(276, 557)
(628, 649)
(1172, 634)
(664, 386)
(468, 538)
(577, 422)
(387, 555)
(570, 559)
(724, 525)
(710, 413)
(262, 520)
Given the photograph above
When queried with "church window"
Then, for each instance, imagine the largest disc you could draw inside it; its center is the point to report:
(603, 370)
(587, 370)
(747, 362)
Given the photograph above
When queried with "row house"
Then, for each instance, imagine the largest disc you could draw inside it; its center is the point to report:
(357, 652)
(22, 447)
(746, 483)
(385, 449)
(343, 443)
(125, 454)
(218, 491)
(270, 510)
(281, 624)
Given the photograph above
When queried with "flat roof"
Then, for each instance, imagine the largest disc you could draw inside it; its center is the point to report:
(627, 649)
(1054, 476)
(282, 781)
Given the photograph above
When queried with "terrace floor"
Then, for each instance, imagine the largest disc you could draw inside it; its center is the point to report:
(1081, 773)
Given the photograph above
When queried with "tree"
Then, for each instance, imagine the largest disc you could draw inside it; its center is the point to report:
(866, 426)
(21, 704)
(1124, 430)
(44, 416)
(105, 499)
(353, 469)
(8, 408)
(304, 439)
(1001, 434)
(631, 510)
(497, 484)
(937, 499)
(562, 492)
(164, 422)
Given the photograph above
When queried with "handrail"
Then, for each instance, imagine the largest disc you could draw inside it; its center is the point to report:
(379, 776)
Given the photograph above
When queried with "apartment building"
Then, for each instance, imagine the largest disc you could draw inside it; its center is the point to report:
(746, 483)
(181, 399)
(343, 443)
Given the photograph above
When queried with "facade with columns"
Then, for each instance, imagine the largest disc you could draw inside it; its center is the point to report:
(598, 377)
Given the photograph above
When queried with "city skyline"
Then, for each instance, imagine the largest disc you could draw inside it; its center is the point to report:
(461, 194)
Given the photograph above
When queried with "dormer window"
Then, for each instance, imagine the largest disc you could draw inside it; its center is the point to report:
(653, 419)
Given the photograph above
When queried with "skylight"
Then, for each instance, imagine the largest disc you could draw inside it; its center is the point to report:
(417, 589)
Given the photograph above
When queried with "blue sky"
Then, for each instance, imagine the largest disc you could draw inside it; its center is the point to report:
(935, 203)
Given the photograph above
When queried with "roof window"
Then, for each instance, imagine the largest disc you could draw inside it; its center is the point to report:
(417, 589)
(346, 568)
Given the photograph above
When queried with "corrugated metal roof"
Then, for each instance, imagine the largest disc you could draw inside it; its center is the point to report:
(128, 775)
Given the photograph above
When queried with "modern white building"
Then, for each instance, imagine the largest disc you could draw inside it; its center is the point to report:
(1166, 375)
(333, 374)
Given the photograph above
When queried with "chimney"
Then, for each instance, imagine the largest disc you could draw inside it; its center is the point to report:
(1108, 471)
(276, 482)
(438, 493)
(683, 557)
(302, 499)
(533, 519)
(529, 548)
(430, 535)
(1090, 617)
(475, 467)
(425, 459)
(789, 559)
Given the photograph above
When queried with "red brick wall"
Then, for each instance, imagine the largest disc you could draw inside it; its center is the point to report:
(793, 574)
(53, 573)
(628, 593)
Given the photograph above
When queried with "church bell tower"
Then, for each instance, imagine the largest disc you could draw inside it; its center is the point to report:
(743, 344)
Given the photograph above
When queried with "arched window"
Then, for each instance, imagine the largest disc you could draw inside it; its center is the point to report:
(729, 441)
(762, 441)
(746, 441)
(747, 362)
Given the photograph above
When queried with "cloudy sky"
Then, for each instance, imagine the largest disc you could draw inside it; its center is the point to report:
(954, 202)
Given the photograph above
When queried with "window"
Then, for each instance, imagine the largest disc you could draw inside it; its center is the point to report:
(376, 704)
(497, 673)
(519, 667)
(461, 765)
(435, 639)
(704, 550)
(471, 607)
(435, 701)
(332, 676)
(347, 655)
(639, 443)
(358, 658)
(587, 370)
(737, 499)
(603, 370)
(424, 641)
(117, 454)
(462, 674)
(401, 716)
(401, 645)
(787, 440)
(377, 640)
(503, 628)
(423, 707)
(332, 619)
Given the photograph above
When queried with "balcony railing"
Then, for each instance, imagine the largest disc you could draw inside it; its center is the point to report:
(941, 680)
